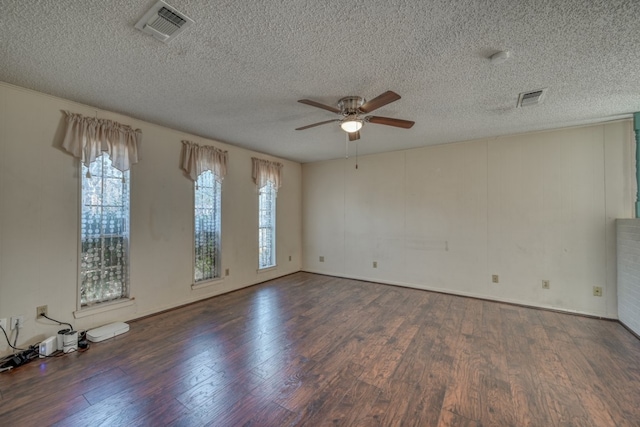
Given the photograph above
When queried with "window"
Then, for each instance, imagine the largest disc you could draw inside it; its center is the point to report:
(206, 166)
(267, 177)
(207, 227)
(267, 225)
(104, 265)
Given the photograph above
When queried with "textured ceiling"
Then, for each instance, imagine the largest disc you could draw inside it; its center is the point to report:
(236, 74)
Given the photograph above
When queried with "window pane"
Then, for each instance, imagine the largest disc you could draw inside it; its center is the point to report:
(104, 231)
(207, 227)
(267, 226)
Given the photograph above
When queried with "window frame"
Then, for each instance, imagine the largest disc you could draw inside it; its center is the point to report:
(125, 298)
(218, 258)
(273, 228)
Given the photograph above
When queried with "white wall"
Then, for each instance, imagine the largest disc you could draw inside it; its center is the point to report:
(527, 207)
(629, 273)
(39, 219)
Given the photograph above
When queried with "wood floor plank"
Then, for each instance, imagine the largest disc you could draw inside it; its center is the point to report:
(495, 388)
(449, 419)
(529, 402)
(424, 408)
(167, 408)
(253, 410)
(210, 402)
(22, 402)
(283, 383)
(598, 397)
(389, 357)
(353, 406)
(46, 413)
(321, 405)
(100, 412)
(463, 394)
(308, 349)
(312, 383)
(390, 406)
(565, 406)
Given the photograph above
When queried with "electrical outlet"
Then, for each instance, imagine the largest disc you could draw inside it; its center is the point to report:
(597, 291)
(321, 259)
(3, 323)
(41, 310)
(226, 272)
(375, 264)
(17, 321)
(546, 284)
(289, 257)
(495, 278)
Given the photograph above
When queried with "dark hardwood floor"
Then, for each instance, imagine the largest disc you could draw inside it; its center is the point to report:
(315, 350)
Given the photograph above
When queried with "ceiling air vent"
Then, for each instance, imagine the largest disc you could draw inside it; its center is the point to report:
(531, 98)
(163, 22)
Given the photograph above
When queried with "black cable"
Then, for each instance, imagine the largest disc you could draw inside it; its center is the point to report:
(15, 360)
(6, 358)
(57, 321)
(15, 340)
(9, 341)
(33, 352)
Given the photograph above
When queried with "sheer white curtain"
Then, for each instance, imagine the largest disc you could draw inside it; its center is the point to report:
(86, 138)
(199, 158)
(264, 171)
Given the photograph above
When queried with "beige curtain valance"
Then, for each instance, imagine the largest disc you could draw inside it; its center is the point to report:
(87, 137)
(264, 171)
(199, 158)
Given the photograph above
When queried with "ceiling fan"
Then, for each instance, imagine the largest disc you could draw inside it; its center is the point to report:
(352, 109)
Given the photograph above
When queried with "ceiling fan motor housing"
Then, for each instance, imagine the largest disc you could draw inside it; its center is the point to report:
(349, 105)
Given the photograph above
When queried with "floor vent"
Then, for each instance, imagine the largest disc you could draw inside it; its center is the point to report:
(163, 22)
(531, 98)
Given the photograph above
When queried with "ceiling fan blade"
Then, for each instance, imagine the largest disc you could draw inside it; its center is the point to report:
(317, 124)
(405, 124)
(317, 104)
(354, 136)
(379, 101)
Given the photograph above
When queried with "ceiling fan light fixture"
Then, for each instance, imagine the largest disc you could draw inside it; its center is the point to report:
(351, 125)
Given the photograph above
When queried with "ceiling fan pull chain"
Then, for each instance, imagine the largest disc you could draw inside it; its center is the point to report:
(346, 146)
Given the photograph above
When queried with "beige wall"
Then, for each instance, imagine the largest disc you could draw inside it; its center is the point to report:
(527, 208)
(39, 219)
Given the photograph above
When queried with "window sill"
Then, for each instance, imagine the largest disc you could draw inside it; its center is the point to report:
(101, 308)
(207, 283)
(267, 269)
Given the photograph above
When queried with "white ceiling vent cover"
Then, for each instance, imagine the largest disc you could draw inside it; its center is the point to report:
(163, 22)
(531, 98)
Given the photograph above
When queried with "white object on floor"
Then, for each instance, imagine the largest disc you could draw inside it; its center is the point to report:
(107, 331)
(48, 346)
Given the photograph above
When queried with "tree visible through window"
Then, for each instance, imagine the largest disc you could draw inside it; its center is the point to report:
(267, 226)
(104, 265)
(207, 227)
